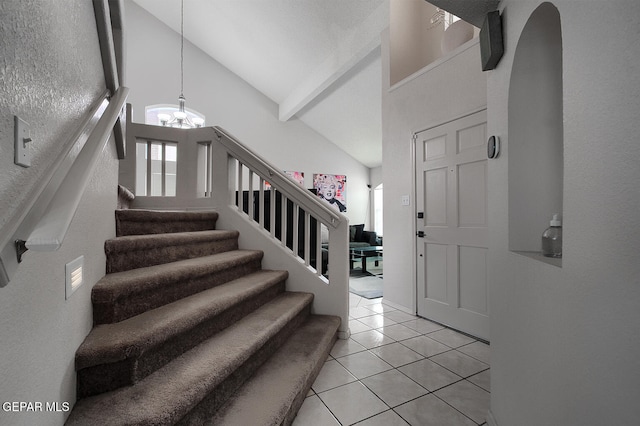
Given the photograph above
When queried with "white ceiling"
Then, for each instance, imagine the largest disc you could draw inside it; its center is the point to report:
(319, 60)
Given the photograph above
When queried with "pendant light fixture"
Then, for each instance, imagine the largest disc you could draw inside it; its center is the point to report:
(179, 119)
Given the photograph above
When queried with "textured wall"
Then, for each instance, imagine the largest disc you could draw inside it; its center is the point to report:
(564, 344)
(50, 73)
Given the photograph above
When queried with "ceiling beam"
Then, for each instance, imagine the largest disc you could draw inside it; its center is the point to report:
(472, 11)
(362, 41)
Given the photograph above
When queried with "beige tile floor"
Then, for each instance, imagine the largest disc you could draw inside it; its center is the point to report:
(398, 369)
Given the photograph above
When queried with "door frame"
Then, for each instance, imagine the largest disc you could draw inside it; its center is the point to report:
(414, 192)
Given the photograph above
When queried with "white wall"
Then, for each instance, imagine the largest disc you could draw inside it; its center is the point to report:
(414, 41)
(153, 60)
(51, 73)
(446, 89)
(375, 179)
(375, 176)
(564, 341)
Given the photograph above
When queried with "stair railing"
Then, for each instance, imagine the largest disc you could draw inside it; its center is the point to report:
(294, 229)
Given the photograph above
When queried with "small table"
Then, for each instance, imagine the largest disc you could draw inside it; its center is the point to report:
(363, 253)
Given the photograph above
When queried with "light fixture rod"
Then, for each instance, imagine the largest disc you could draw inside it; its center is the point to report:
(180, 118)
(182, 48)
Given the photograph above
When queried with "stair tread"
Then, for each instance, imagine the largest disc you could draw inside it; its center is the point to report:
(146, 241)
(267, 397)
(168, 394)
(131, 337)
(139, 251)
(144, 215)
(117, 284)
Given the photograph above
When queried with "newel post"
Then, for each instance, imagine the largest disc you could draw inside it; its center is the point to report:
(339, 273)
(222, 188)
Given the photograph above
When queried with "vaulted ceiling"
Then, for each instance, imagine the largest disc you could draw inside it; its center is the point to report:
(319, 60)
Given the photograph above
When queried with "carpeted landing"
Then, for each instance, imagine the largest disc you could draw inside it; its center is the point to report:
(190, 330)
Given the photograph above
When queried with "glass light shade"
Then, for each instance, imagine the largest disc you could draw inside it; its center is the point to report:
(180, 115)
(198, 121)
(164, 118)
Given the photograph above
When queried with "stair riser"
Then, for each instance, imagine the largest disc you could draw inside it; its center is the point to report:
(293, 369)
(136, 222)
(135, 304)
(299, 400)
(125, 261)
(216, 399)
(144, 228)
(106, 377)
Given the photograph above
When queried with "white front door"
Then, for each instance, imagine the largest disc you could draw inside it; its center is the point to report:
(451, 224)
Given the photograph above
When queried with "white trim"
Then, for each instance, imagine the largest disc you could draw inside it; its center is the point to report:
(458, 117)
(463, 48)
(491, 421)
(414, 251)
(344, 335)
(399, 307)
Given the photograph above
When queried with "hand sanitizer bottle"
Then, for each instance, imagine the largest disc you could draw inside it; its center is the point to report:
(552, 239)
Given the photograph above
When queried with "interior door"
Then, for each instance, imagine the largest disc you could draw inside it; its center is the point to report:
(451, 224)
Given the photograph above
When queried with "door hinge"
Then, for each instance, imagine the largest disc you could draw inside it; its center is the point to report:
(420, 234)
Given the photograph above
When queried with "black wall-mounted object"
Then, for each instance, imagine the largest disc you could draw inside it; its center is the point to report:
(493, 147)
(491, 45)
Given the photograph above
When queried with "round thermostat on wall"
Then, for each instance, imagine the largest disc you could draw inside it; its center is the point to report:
(493, 147)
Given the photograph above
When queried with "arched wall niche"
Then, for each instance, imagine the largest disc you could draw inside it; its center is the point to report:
(535, 139)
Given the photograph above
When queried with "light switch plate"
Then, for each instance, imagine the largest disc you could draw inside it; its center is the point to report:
(405, 200)
(22, 155)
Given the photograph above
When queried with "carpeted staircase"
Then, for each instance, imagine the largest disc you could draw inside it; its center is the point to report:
(190, 330)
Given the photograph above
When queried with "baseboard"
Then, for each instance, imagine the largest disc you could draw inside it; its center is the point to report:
(398, 307)
(344, 335)
(491, 421)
